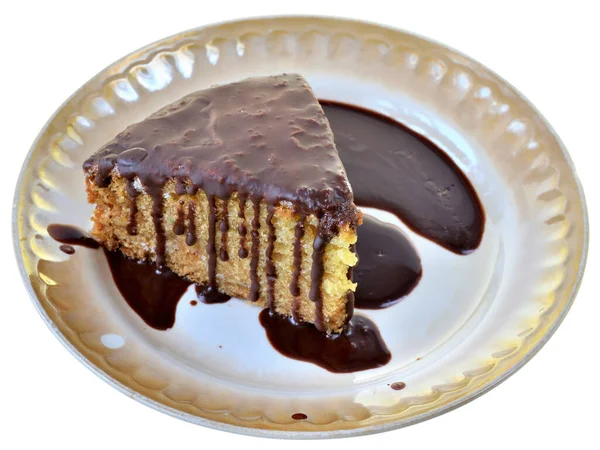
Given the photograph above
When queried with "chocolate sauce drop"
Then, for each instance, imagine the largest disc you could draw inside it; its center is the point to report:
(68, 234)
(153, 294)
(393, 168)
(388, 267)
(398, 385)
(358, 347)
(68, 249)
(209, 295)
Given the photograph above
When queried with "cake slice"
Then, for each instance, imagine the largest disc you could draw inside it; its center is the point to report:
(238, 188)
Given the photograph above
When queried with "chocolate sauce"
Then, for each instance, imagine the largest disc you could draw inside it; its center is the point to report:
(316, 275)
(393, 168)
(179, 225)
(209, 295)
(358, 347)
(157, 216)
(398, 385)
(68, 249)
(269, 264)
(224, 228)
(68, 234)
(133, 208)
(153, 294)
(299, 416)
(388, 265)
(242, 230)
(211, 248)
(190, 237)
(254, 280)
(294, 284)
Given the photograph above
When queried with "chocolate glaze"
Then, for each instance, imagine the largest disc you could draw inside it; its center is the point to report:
(68, 234)
(388, 265)
(263, 138)
(358, 347)
(153, 294)
(393, 168)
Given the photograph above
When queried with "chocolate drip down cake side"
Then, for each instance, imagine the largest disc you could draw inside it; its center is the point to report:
(238, 188)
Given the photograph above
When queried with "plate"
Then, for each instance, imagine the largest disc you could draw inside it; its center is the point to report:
(471, 322)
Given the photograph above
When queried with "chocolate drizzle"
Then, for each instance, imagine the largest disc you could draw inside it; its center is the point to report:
(211, 249)
(269, 265)
(294, 284)
(179, 225)
(224, 228)
(254, 280)
(316, 275)
(242, 230)
(133, 208)
(190, 237)
(157, 216)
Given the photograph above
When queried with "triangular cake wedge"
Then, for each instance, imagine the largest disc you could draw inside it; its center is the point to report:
(238, 188)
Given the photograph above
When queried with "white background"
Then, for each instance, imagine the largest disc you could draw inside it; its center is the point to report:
(548, 50)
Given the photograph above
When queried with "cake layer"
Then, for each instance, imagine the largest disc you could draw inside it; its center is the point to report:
(187, 236)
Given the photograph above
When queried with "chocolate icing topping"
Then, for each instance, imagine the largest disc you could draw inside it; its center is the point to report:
(265, 137)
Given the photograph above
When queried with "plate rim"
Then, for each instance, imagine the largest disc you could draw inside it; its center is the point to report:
(273, 433)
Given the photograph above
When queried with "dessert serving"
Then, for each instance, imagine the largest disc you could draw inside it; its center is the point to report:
(300, 227)
(238, 188)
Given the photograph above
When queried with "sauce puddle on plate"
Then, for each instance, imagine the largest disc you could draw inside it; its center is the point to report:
(390, 167)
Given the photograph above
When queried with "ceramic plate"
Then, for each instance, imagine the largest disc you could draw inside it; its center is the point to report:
(471, 322)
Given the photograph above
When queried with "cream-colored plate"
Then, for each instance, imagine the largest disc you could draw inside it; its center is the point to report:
(471, 322)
